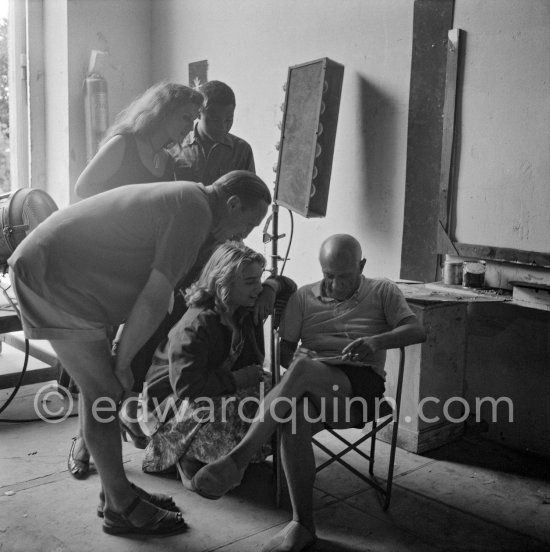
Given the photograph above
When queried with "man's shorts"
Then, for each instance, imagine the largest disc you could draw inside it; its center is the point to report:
(43, 320)
(366, 384)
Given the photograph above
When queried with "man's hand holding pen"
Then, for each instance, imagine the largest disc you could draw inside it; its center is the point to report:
(360, 349)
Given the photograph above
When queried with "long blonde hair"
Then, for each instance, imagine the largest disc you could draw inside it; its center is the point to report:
(149, 110)
(219, 274)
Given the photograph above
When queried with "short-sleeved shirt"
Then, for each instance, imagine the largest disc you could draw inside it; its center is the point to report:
(326, 325)
(92, 259)
(232, 154)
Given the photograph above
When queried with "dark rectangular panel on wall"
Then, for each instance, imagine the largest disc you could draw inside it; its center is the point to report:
(308, 133)
(432, 21)
(198, 73)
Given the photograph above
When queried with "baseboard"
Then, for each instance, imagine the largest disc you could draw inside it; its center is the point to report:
(425, 440)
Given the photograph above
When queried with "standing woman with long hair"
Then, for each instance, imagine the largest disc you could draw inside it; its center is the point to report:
(134, 151)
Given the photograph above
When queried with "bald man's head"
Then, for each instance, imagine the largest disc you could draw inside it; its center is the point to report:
(341, 248)
(342, 264)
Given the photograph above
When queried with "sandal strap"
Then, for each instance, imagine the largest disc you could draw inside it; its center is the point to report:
(156, 499)
(160, 522)
(78, 471)
(133, 505)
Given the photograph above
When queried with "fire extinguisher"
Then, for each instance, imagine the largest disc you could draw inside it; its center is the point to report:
(96, 112)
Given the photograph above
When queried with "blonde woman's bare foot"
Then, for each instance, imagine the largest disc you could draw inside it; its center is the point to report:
(293, 538)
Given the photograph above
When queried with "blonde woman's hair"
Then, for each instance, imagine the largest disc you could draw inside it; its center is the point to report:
(149, 110)
(219, 274)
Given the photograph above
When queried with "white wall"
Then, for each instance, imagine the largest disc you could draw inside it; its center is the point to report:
(250, 44)
(56, 101)
(73, 28)
(503, 184)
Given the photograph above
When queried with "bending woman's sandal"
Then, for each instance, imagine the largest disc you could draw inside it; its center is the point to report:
(78, 468)
(156, 499)
(217, 478)
(158, 522)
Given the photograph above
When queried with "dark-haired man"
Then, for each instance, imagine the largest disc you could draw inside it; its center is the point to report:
(112, 258)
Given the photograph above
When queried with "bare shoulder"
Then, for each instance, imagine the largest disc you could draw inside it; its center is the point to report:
(102, 167)
(116, 144)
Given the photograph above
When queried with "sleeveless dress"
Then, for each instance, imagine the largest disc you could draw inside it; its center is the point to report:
(133, 171)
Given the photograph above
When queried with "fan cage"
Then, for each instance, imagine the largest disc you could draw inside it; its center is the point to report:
(20, 213)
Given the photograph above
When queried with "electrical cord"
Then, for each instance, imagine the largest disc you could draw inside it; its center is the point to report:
(267, 237)
(289, 240)
(19, 381)
(25, 362)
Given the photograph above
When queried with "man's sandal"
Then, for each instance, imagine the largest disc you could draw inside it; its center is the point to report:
(156, 499)
(160, 523)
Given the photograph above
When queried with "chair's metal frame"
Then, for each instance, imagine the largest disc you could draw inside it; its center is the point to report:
(384, 490)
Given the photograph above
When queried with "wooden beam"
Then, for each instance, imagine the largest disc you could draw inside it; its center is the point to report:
(448, 129)
(431, 24)
(503, 254)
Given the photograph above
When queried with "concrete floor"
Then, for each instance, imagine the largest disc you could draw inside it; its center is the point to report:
(471, 495)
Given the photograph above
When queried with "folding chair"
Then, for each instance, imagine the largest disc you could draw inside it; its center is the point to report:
(386, 415)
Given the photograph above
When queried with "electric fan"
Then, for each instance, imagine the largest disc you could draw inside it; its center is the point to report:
(20, 213)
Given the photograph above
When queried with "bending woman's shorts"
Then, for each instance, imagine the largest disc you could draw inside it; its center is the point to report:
(366, 384)
(43, 320)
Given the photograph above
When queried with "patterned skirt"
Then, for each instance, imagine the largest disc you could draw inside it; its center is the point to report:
(206, 430)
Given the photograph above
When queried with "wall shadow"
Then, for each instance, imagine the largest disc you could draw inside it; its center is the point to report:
(378, 135)
(475, 450)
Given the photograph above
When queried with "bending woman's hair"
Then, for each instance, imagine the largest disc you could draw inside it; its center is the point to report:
(148, 111)
(219, 273)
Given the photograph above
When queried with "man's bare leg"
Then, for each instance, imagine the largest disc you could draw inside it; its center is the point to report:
(89, 363)
(305, 377)
(299, 466)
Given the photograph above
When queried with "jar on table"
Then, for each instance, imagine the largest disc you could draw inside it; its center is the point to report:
(452, 273)
(473, 274)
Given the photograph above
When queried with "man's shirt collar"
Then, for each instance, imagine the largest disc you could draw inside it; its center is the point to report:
(194, 138)
(318, 291)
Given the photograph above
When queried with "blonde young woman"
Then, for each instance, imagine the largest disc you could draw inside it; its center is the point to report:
(211, 364)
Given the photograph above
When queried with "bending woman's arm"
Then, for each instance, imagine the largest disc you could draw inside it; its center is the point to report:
(103, 166)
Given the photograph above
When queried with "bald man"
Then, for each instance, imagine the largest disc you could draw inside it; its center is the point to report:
(345, 323)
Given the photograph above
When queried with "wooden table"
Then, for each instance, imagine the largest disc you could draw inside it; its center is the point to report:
(9, 323)
(434, 378)
(479, 345)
